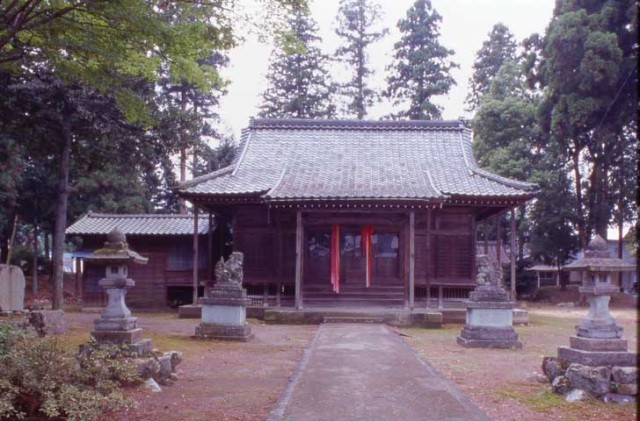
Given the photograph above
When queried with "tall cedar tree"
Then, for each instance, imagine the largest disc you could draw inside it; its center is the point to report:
(590, 74)
(421, 67)
(299, 85)
(188, 115)
(355, 19)
(499, 48)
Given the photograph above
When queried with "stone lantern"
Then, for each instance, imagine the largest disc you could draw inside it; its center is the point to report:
(598, 340)
(116, 325)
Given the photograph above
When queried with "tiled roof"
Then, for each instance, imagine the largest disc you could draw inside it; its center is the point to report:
(300, 160)
(137, 224)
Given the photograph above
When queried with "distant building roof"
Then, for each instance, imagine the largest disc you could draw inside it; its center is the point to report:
(543, 268)
(137, 224)
(298, 160)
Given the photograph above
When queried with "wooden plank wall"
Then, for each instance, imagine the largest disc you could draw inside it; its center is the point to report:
(152, 279)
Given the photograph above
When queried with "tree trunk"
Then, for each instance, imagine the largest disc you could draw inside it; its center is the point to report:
(579, 205)
(183, 147)
(61, 207)
(47, 246)
(34, 263)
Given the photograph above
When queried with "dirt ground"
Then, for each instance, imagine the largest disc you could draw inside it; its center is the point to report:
(218, 380)
(502, 382)
(242, 381)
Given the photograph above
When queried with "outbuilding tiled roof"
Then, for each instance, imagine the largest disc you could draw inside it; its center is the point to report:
(137, 224)
(304, 160)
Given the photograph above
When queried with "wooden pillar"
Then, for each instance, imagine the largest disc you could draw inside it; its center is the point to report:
(440, 293)
(485, 228)
(279, 270)
(538, 272)
(498, 239)
(412, 249)
(209, 255)
(78, 274)
(513, 254)
(299, 251)
(196, 218)
(427, 278)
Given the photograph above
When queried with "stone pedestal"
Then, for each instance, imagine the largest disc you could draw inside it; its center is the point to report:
(224, 314)
(116, 325)
(489, 322)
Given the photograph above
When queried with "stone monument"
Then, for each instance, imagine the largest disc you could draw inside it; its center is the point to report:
(116, 325)
(489, 322)
(12, 285)
(597, 359)
(224, 312)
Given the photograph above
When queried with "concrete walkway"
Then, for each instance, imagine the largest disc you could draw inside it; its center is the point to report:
(368, 372)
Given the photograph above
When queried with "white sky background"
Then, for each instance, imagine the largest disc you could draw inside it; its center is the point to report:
(465, 25)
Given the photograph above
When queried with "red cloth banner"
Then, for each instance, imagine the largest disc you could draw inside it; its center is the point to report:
(335, 258)
(367, 249)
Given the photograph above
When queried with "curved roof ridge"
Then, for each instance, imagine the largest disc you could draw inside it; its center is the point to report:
(278, 181)
(432, 184)
(507, 181)
(474, 169)
(91, 214)
(242, 155)
(329, 124)
(206, 177)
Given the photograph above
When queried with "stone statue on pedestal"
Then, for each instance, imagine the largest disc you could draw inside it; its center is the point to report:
(489, 322)
(224, 311)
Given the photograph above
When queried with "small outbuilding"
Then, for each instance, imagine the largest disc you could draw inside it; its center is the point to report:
(165, 239)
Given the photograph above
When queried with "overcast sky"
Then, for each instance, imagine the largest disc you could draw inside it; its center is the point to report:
(465, 25)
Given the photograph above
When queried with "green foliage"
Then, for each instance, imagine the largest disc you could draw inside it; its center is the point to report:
(498, 49)
(213, 159)
(298, 83)
(355, 20)
(420, 69)
(41, 378)
(590, 74)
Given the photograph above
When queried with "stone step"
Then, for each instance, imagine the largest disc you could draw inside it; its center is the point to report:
(353, 319)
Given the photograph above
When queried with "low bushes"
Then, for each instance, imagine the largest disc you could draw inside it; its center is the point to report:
(39, 377)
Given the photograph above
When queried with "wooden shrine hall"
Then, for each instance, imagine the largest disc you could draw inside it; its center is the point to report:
(331, 212)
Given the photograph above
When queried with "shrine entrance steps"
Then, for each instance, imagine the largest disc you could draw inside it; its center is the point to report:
(354, 294)
(391, 315)
(368, 372)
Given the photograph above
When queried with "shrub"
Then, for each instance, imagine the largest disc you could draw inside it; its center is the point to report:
(39, 377)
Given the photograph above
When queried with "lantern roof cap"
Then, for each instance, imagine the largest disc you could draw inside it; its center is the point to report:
(598, 259)
(116, 250)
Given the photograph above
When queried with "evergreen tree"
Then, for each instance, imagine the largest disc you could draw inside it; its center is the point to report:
(499, 48)
(355, 19)
(298, 85)
(590, 74)
(421, 67)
